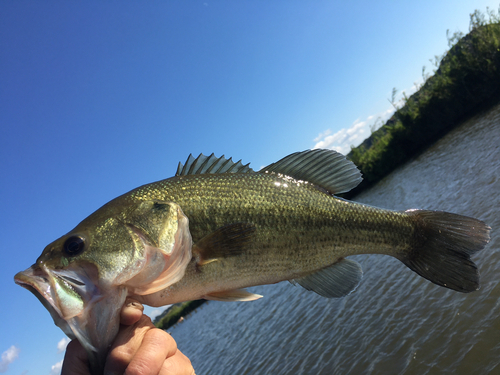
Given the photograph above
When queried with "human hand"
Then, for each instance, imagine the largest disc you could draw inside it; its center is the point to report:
(139, 349)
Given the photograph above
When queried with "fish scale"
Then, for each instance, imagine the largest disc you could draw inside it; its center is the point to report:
(300, 229)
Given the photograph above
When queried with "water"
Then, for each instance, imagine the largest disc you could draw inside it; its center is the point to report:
(396, 322)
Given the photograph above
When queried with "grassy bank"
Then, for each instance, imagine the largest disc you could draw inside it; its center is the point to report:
(466, 83)
(175, 312)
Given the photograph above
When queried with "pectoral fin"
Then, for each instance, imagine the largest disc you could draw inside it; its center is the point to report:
(335, 281)
(232, 295)
(227, 241)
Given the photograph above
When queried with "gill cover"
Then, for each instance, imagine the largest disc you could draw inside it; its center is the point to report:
(163, 242)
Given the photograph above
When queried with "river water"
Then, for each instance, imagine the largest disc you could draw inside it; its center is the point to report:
(395, 322)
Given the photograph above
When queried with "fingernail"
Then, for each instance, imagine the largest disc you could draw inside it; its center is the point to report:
(135, 304)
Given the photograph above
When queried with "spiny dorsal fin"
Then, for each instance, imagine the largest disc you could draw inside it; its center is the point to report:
(326, 168)
(229, 240)
(335, 281)
(211, 164)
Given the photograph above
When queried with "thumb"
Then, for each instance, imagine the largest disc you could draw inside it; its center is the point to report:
(131, 312)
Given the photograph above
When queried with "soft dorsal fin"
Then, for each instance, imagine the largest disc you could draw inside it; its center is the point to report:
(325, 168)
(211, 164)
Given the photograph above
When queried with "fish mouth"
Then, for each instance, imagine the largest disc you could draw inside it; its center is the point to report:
(84, 308)
(37, 282)
(68, 294)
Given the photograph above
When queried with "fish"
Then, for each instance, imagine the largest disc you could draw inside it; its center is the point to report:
(217, 227)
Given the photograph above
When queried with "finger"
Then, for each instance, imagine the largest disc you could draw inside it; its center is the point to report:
(178, 364)
(131, 312)
(75, 360)
(157, 345)
(126, 344)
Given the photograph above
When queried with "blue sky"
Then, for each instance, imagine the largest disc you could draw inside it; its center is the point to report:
(97, 98)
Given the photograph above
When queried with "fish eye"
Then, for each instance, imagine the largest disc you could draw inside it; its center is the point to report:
(74, 245)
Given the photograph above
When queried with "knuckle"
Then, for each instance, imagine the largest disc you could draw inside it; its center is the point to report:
(161, 339)
(121, 356)
(145, 321)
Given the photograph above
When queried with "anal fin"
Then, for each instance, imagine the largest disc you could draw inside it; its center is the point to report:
(335, 281)
(232, 295)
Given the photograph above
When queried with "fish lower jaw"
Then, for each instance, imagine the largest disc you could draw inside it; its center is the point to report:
(40, 287)
(51, 307)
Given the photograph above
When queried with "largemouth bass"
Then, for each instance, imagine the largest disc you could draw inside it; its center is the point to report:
(218, 227)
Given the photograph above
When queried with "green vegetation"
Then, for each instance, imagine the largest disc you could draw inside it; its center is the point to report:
(466, 82)
(177, 311)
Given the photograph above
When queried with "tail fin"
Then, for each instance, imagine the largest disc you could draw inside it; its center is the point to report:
(445, 245)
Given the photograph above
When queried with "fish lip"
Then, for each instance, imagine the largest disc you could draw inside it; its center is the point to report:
(42, 281)
(35, 280)
(29, 283)
(94, 330)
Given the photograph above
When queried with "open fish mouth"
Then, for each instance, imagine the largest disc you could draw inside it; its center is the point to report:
(37, 282)
(68, 294)
(82, 307)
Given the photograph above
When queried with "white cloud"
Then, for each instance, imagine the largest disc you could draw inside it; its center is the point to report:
(56, 369)
(344, 138)
(61, 345)
(321, 135)
(9, 356)
(155, 312)
(354, 135)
